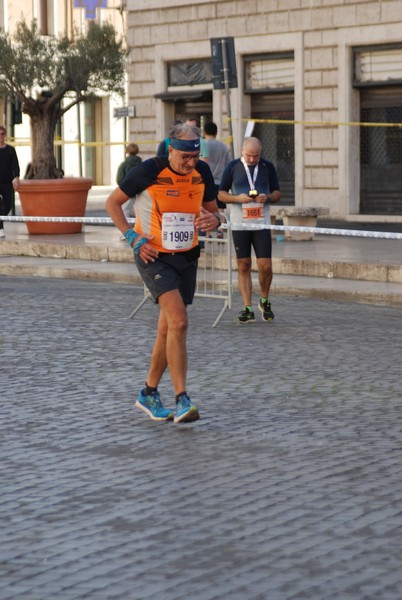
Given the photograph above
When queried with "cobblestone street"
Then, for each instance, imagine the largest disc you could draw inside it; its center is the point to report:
(288, 488)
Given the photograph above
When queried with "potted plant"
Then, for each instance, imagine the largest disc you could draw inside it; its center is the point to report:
(49, 75)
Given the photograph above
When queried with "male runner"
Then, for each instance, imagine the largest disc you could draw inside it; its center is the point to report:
(175, 196)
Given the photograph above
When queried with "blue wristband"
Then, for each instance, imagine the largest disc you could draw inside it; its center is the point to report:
(131, 236)
(138, 245)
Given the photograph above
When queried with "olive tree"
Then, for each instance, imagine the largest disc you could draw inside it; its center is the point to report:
(51, 74)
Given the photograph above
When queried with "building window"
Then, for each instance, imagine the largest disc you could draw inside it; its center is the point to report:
(379, 65)
(190, 73)
(269, 72)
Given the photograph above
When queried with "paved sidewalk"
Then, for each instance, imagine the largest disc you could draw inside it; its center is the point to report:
(288, 488)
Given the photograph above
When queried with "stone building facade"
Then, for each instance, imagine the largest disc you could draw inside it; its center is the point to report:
(309, 73)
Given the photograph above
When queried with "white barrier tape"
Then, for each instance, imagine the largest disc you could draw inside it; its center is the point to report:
(84, 220)
(315, 230)
(322, 230)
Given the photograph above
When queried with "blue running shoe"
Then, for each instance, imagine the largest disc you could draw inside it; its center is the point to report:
(153, 407)
(186, 411)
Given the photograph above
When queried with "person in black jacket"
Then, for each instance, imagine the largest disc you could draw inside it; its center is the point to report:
(132, 159)
(9, 176)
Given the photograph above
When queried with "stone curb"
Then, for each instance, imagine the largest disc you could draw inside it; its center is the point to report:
(359, 271)
(105, 271)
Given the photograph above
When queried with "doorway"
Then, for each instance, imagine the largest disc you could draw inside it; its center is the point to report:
(278, 144)
(381, 151)
(93, 133)
(198, 109)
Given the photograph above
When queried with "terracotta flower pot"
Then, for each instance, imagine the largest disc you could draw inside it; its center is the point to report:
(66, 197)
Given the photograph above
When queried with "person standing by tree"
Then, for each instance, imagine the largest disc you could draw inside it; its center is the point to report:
(9, 176)
(254, 186)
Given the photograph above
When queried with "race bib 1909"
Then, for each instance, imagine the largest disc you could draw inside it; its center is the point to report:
(177, 230)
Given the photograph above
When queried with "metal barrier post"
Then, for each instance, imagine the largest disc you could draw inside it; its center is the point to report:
(214, 278)
(137, 308)
(214, 275)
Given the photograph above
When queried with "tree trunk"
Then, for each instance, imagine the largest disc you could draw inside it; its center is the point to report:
(43, 125)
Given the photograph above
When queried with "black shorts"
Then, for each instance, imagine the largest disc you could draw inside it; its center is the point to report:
(171, 271)
(259, 239)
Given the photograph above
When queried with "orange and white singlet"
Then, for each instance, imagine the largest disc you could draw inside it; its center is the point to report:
(166, 202)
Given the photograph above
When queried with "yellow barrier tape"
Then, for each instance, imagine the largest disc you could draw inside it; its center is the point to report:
(93, 144)
(58, 142)
(320, 123)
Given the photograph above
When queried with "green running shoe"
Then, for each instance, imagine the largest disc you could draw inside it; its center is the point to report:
(265, 308)
(245, 316)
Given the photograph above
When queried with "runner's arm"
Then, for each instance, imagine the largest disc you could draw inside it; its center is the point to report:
(114, 204)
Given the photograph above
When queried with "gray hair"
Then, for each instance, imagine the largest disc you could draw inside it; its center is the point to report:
(182, 129)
